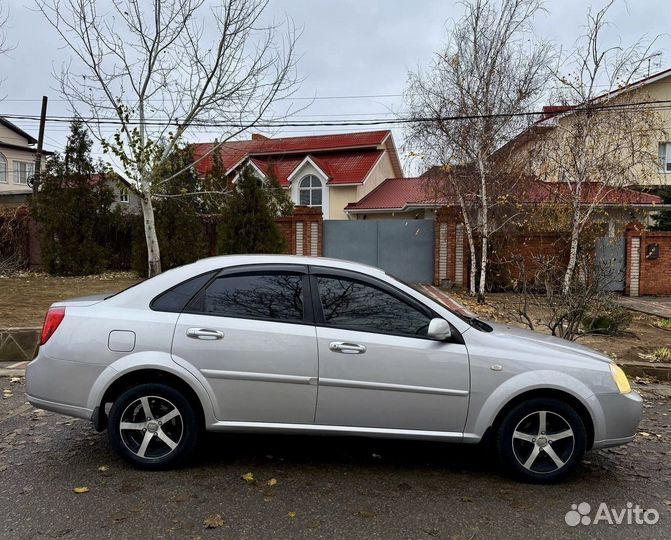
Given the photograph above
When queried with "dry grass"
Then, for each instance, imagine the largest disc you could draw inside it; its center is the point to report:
(25, 298)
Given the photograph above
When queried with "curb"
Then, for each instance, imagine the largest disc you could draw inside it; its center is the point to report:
(658, 370)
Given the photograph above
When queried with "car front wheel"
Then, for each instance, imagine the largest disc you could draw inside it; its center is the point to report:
(541, 440)
(153, 426)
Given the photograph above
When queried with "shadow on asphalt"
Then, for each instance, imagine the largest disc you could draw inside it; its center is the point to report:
(294, 450)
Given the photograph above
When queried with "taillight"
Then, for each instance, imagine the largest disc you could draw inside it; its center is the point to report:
(51, 322)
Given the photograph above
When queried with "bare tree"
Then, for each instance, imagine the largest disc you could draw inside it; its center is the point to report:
(489, 72)
(601, 140)
(164, 68)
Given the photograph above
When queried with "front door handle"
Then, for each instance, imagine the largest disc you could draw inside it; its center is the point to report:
(347, 348)
(204, 333)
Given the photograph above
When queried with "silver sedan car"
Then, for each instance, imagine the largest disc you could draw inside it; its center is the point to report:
(312, 345)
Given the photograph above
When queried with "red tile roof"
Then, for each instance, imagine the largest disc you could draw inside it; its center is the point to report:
(233, 151)
(395, 194)
(344, 167)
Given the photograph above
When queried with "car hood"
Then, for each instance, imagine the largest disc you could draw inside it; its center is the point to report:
(560, 346)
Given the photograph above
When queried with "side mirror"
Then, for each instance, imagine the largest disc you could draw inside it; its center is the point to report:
(439, 329)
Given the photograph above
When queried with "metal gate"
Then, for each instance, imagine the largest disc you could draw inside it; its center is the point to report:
(610, 261)
(403, 248)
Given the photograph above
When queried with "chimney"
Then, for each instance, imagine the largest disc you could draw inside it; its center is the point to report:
(259, 137)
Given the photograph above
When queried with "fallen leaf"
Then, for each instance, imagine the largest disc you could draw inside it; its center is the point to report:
(15, 379)
(272, 482)
(644, 433)
(292, 515)
(214, 521)
(248, 477)
(103, 468)
(81, 489)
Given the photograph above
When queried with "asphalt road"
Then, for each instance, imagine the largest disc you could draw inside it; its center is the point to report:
(326, 487)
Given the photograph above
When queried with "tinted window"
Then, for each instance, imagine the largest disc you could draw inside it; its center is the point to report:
(259, 296)
(352, 304)
(178, 297)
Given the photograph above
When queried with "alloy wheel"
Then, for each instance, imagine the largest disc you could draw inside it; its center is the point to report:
(543, 442)
(151, 427)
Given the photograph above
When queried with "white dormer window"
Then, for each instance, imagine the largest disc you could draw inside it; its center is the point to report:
(310, 191)
(22, 171)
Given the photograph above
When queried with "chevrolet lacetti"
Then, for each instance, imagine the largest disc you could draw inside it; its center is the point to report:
(311, 345)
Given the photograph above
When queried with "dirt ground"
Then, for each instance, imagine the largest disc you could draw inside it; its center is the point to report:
(642, 336)
(25, 298)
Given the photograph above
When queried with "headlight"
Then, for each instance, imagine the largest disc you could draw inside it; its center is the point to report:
(620, 378)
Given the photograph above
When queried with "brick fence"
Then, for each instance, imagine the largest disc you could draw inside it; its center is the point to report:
(304, 231)
(648, 267)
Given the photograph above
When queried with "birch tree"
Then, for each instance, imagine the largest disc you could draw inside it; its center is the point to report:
(605, 139)
(161, 69)
(490, 70)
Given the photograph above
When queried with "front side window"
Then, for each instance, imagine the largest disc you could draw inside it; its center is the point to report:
(3, 169)
(665, 157)
(310, 191)
(348, 303)
(268, 295)
(123, 195)
(22, 171)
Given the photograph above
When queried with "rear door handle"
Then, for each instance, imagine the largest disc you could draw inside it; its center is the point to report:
(204, 333)
(347, 348)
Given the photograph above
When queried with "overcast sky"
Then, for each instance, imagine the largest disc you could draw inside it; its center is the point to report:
(347, 48)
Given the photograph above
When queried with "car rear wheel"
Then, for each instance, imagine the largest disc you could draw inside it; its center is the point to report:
(153, 426)
(541, 440)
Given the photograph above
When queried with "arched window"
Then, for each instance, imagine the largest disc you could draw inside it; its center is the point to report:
(310, 191)
(3, 169)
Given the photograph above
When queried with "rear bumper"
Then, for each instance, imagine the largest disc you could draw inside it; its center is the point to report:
(622, 414)
(61, 408)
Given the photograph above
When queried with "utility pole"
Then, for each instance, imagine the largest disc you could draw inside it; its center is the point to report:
(40, 143)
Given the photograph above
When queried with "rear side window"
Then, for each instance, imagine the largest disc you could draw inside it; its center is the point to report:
(176, 298)
(348, 303)
(267, 295)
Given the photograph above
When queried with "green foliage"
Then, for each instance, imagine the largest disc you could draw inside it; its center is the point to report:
(663, 218)
(613, 320)
(247, 221)
(73, 207)
(178, 216)
(280, 203)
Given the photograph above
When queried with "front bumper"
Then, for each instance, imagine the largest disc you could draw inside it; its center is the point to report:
(622, 413)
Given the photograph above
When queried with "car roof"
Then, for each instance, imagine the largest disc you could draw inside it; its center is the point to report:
(150, 288)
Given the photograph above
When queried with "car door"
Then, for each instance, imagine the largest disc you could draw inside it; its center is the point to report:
(377, 367)
(251, 334)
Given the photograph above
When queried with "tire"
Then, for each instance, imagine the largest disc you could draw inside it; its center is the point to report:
(161, 440)
(537, 455)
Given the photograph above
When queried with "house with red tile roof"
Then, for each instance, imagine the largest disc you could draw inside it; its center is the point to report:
(325, 171)
(421, 197)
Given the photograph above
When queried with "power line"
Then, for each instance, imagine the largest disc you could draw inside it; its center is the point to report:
(651, 104)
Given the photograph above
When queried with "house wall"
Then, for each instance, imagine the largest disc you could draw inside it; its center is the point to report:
(11, 137)
(12, 155)
(646, 176)
(382, 170)
(339, 197)
(133, 205)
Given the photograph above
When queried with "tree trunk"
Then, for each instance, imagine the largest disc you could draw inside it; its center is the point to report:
(153, 251)
(573, 254)
(484, 232)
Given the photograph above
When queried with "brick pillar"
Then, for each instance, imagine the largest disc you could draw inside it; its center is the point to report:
(449, 256)
(632, 280)
(308, 231)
